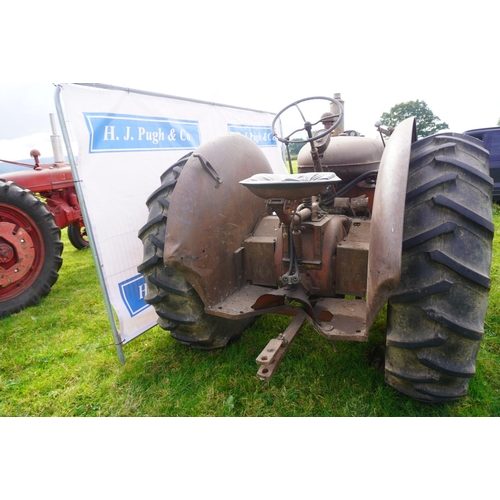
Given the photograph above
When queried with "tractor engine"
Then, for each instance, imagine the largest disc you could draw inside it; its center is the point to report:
(328, 257)
(321, 241)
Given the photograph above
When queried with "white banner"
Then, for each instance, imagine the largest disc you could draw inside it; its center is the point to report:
(126, 140)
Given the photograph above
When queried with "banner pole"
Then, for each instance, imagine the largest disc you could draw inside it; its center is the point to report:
(88, 227)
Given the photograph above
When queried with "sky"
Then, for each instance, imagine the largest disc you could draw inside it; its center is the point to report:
(261, 55)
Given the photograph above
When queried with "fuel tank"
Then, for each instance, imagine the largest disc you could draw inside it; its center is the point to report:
(347, 156)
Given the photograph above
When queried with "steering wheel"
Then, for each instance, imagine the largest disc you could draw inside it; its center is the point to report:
(307, 125)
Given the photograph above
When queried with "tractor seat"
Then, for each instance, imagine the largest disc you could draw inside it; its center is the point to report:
(289, 186)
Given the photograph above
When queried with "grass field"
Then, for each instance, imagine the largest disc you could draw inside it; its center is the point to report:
(58, 359)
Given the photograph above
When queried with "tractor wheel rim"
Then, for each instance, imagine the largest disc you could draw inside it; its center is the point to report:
(22, 251)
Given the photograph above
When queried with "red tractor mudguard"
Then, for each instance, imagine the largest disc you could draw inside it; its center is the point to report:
(386, 234)
(210, 213)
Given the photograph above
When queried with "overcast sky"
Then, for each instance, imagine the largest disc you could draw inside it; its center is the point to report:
(259, 54)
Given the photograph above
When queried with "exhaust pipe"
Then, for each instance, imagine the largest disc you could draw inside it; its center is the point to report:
(56, 142)
(334, 109)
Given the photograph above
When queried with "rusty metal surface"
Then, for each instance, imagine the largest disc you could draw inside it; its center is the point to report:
(269, 353)
(352, 260)
(334, 319)
(283, 297)
(318, 240)
(273, 353)
(384, 262)
(208, 220)
(343, 319)
(347, 156)
(239, 304)
(259, 258)
(318, 264)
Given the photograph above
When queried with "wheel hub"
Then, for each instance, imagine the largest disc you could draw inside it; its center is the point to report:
(6, 253)
(16, 253)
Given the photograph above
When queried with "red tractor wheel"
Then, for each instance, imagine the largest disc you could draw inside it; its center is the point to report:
(30, 249)
(77, 235)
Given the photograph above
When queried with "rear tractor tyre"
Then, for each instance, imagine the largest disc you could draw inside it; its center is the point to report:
(178, 306)
(436, 316)
(30, 249)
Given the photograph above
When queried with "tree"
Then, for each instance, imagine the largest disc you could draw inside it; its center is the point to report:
(427, 122)
(295, 146)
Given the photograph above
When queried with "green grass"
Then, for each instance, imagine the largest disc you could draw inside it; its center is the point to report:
(58, 359)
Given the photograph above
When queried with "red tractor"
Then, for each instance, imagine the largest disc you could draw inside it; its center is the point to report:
(35, 205)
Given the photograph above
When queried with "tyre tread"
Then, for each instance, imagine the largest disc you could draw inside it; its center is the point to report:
(25, 201)
(436, 316)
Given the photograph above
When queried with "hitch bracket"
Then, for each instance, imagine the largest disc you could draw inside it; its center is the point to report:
(273, 353)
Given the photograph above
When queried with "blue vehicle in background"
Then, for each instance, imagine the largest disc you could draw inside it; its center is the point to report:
(491, 139)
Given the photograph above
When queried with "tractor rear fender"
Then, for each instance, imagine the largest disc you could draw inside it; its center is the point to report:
(386, 234)
(210, 213)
